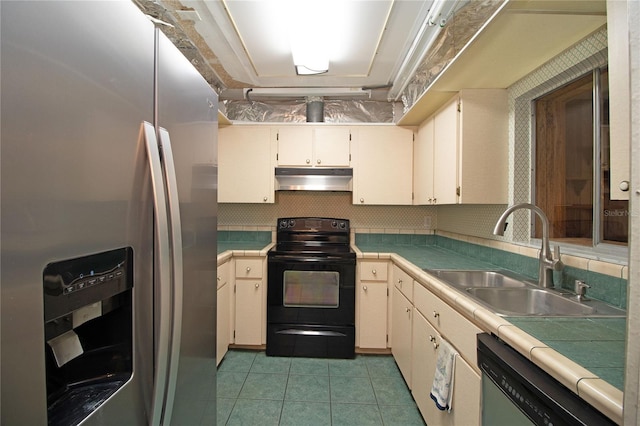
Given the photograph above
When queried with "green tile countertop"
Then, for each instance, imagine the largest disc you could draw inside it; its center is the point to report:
(596, 345)
(243, 240)
(428, 257)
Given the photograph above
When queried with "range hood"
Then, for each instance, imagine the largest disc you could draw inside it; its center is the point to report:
(313, 179)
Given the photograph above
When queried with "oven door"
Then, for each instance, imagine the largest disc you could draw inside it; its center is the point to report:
(311, 290)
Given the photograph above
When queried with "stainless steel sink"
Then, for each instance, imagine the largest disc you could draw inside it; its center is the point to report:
(478, 278)
(538, 301)
(508, 294)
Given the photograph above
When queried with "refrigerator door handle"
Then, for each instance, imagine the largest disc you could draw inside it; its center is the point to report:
(162, 266)
(176, 250)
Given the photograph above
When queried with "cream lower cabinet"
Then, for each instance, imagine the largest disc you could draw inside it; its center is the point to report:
(466, 391)
(223, 312)
(434, 320)
(401, 324)
(250, 302)
(372, 304)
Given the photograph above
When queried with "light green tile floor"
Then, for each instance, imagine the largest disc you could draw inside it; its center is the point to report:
(253, 389)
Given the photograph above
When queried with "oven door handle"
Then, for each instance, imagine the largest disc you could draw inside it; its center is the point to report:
(292, 331)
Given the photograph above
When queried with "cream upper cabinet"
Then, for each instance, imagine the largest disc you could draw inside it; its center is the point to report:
(423, 164)
(246, 164)
(383, 164)
(461, 151)
(312, 146)
(619, 100)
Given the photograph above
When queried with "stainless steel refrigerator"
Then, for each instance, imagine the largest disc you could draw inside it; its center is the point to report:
(109, 217)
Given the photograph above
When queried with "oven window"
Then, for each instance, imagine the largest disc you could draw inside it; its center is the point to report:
(312, 289)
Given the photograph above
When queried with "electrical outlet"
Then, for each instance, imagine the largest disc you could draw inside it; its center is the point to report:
(427, 222)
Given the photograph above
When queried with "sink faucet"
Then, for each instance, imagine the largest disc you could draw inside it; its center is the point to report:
(547, 263)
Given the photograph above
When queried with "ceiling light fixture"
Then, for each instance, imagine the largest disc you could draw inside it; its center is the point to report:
(308, 39)
(439, 13)
(294, 92)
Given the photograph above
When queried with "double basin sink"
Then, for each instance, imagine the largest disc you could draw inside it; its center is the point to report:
(508, 294)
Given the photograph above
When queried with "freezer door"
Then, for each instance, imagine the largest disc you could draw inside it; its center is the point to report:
(77, 81)
(187, 109)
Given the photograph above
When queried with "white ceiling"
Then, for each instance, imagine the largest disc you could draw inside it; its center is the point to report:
(370, 42)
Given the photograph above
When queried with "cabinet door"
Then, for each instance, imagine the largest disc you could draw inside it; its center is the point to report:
(403, 282)
(331, 146)
(483, 147)
(246, 167)
(383, 166)
(295, 145)
(445, 154)
(619, 95)
(423, 164)
(248, 312)
(424, 352)
(401, 312)
(222, 325)
(467, 382)
(372, 317)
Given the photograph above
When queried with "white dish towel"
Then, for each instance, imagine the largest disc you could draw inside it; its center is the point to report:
(442, 388)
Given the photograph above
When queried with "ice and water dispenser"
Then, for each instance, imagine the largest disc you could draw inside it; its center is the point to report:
(88, 319)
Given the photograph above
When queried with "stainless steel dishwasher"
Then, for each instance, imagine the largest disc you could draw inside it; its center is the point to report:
(515, 391)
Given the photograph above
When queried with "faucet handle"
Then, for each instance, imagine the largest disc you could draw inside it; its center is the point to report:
(557, 262)
(580, 287)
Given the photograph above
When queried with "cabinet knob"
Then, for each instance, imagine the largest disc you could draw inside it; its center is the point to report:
(265, 199)
(318, 161)
(364, 288)
(362, 200)
(430, 200)
(257, 285)
(248, 269)
(408, 310)
(308, 161)
(436, 314)
(400, 282)
(374, 272)
(219, 278)
(435, 200)
(624, 186)
(432, 339)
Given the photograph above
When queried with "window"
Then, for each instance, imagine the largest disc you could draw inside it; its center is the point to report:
(574, 193)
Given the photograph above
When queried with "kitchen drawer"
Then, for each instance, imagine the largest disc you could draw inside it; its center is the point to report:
(373, 270)
(454, 327)
(223, 274)
(403, 281)
(249, 268)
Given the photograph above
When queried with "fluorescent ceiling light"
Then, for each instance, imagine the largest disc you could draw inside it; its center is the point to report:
(305, 91)
(306, 23)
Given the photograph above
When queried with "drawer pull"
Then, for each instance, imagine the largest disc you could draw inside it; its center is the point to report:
(432, 339)
(374, 272)
(248, 269)
(436, 314)
(364, 288)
